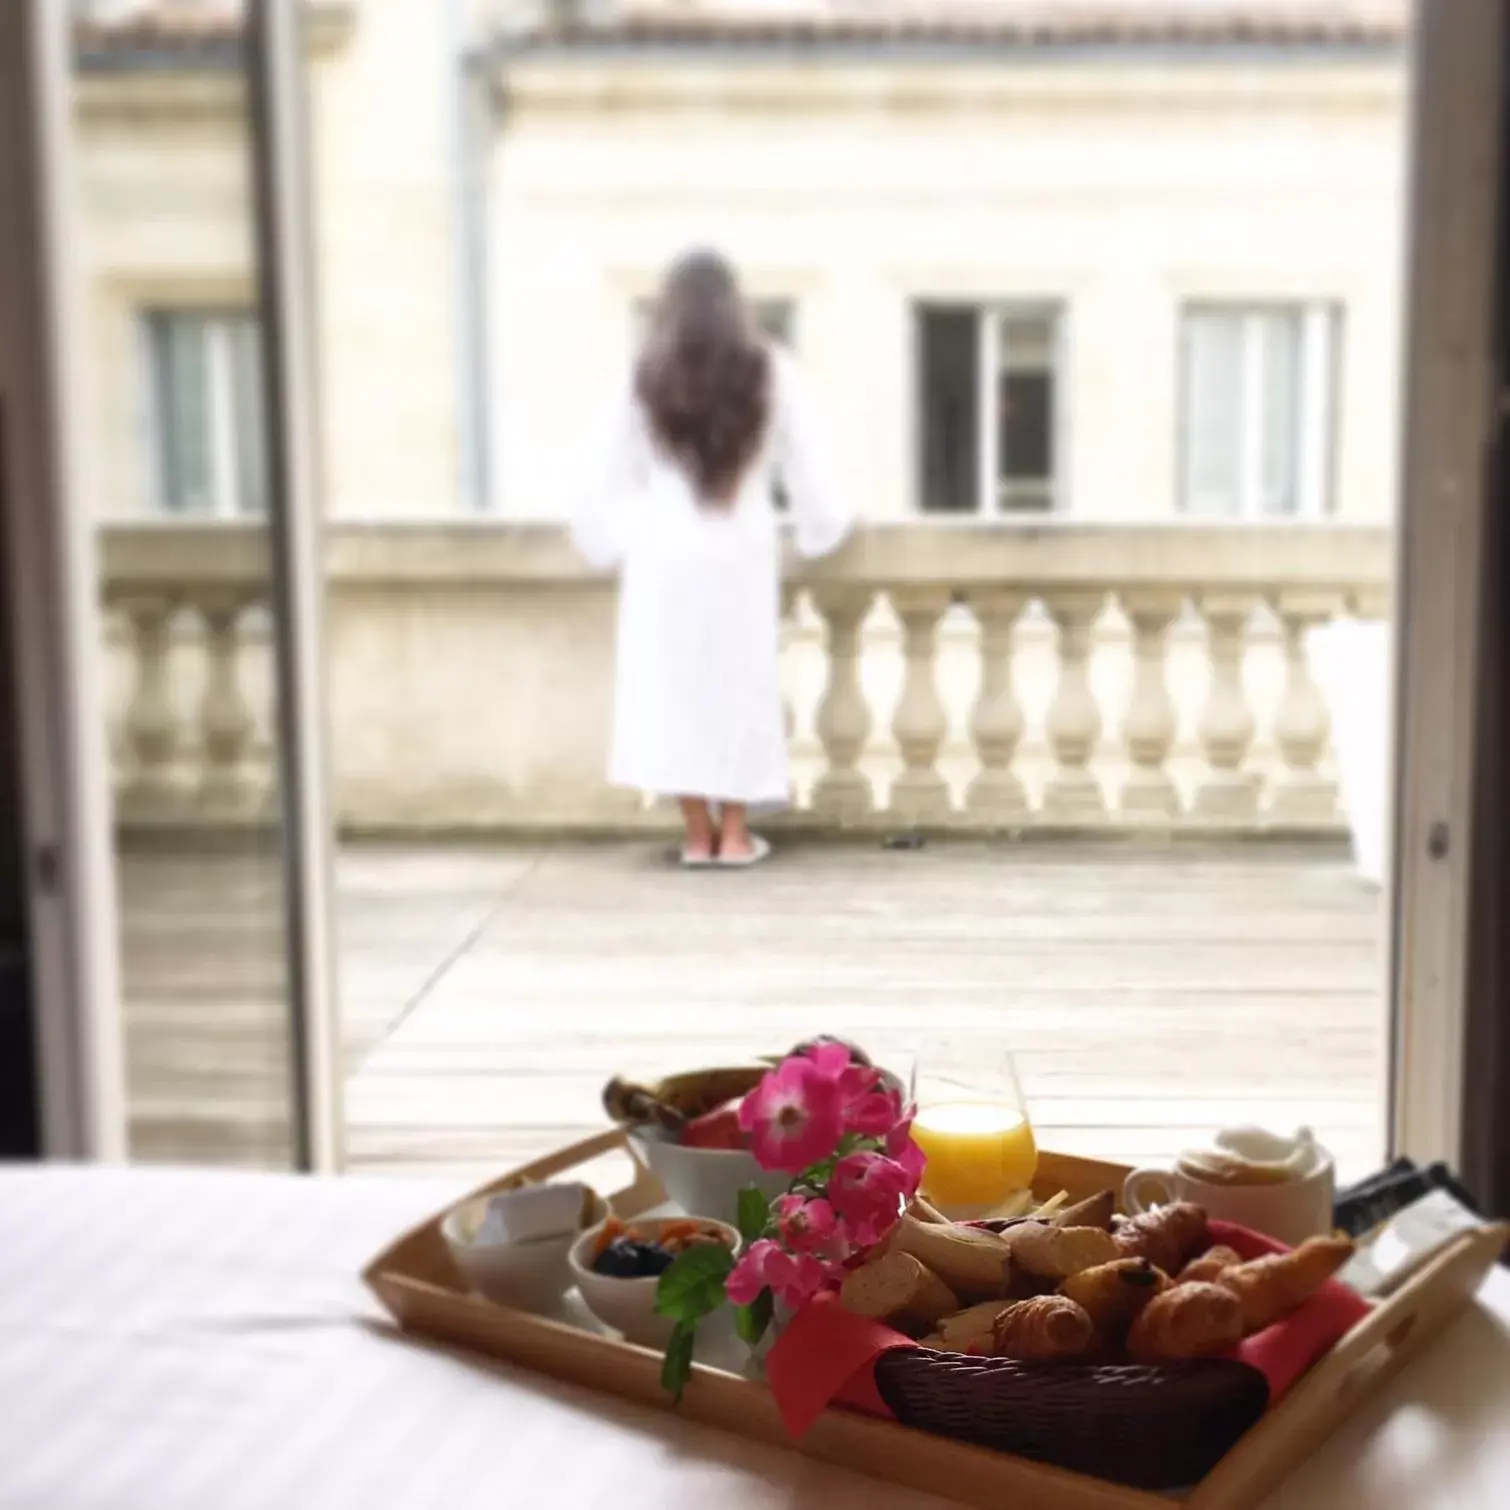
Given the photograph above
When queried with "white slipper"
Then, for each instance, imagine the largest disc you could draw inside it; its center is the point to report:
(760, 849)
(696, 862)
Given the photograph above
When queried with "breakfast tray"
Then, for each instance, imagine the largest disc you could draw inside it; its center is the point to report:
(418, 1283)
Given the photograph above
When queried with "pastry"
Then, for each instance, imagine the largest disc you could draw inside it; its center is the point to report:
(973, 1263)
(966, 1330)
(1186, 1321)
(1055, 1253)
(1043, 1329)
(1270, 1288)
(1113, 1294)
(1095, 1212)
(1208, 1267)
(1170, 1236)
(896, 1288)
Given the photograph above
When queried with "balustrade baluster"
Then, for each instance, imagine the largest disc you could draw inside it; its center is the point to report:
(920, 794)
(842, 794)
(1226, 790)
(1301, 726)
(1149, 725)
(996, 795)
(1073, 795)
(225, 716)
(151, 728)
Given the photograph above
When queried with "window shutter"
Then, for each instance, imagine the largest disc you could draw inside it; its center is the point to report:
(1279, 335)
(1212, 418)
(949, 348)
(245, 343)
(182, 377)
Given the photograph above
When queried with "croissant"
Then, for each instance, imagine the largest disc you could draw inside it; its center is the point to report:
(1270, 1288)
(1207, 1269)
(1170, 1236)
(1186, 1321)
(1113, 1294)
(1055, 1253)
(1042, 1329)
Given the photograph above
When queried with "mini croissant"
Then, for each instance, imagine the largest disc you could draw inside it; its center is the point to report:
(1042, 1329)
(1113, 1294)
(1209, 1267)
(1169, 1236)
(1187, 1321)
(1270, 1288)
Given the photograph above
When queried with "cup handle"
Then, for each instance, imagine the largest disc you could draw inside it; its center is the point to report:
(1138, 1188)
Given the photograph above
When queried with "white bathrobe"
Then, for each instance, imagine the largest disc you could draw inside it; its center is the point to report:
(697, 698)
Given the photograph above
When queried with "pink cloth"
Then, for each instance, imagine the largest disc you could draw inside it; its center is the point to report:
(826, 1354)
(1284, 1351)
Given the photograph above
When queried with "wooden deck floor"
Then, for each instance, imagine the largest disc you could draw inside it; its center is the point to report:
(1148, 993)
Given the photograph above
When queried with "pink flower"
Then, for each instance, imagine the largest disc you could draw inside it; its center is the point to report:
(913, 1160)
(795, 1115)
(810, 1225)
(832, 1061)
(792, 1279)
(874, 1112)
(867, 1190)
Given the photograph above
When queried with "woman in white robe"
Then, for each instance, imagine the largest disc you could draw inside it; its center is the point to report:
(682, 506)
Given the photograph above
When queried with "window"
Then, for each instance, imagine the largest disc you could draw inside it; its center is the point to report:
(990, 408)
(207, 443)
(1257, 412)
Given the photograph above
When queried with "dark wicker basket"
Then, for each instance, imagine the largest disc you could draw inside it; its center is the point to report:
(1159, 1427)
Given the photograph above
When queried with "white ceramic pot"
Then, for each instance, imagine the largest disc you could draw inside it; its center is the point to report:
(628, 1305)
(531, 1275)
(704, 1181)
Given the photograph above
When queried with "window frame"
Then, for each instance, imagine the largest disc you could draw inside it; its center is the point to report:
(1318, 431)
(217, 322)
(990, 313)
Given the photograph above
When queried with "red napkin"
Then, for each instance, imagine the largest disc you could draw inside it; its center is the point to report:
(1284, 1351)
(825, 1355)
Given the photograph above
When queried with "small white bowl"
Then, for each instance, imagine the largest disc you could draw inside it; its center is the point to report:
(531, 1275)
(628, 1305)
(704, 1181)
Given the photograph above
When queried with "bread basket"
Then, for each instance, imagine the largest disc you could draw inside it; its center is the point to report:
(1162, 1426)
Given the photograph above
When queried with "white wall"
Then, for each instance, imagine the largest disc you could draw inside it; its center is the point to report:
(384, 160)
(163, 221)
(851, 189)
(165, 211)
(1119, 190)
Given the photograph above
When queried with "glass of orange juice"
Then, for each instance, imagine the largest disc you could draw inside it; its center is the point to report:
(972, 1124)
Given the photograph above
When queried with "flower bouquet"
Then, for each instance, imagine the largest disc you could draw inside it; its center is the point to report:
(833, 1123)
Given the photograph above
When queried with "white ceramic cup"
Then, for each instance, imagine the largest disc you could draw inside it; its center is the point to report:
(1290, 1211)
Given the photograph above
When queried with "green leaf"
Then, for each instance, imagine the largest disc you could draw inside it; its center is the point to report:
(693, 1287)
(754, 1213)
(753, 1319)
(677, 1365)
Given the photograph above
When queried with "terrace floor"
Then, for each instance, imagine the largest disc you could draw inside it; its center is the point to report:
(1149, 992)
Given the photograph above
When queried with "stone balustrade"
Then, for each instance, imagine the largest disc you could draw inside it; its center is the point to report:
(1062, 676)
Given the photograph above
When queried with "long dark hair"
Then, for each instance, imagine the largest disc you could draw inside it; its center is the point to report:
(704, 376)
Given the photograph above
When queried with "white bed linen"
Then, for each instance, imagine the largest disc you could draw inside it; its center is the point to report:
(200, 1341)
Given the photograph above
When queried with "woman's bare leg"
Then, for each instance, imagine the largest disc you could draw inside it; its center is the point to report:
(698, 822)
(734, 834)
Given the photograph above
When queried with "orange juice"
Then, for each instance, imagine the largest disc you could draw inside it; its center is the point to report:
(978, 1152)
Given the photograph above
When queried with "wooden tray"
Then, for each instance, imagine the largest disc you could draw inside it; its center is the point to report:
(419, 1284)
